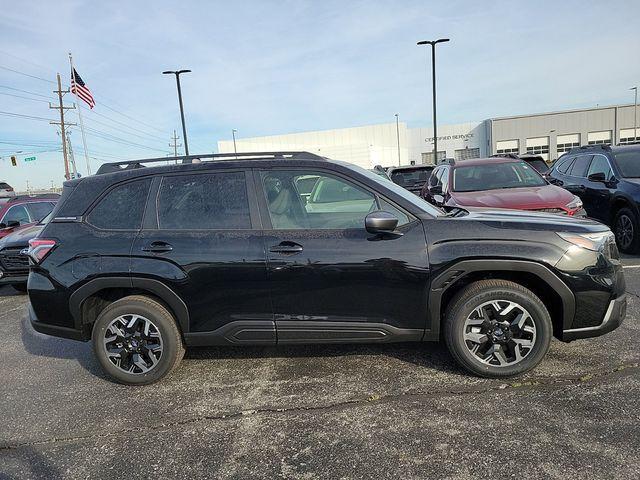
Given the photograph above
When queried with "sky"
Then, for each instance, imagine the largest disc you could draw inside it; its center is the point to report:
(274, 67)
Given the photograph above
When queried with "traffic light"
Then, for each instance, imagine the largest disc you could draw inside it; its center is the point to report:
(14, 162)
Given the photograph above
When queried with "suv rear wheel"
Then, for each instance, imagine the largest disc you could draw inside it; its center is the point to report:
(626, 230)
(497, 328)
(137, 341)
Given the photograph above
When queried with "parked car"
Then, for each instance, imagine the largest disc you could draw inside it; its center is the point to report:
(227, 252)
(380, 170)
(6, 190)
(14, 262)
(24, 210)
(411, 177)
(498, 182)
(536, 161)
(607, 179)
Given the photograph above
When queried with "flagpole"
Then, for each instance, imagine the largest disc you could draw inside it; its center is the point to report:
(84, 139)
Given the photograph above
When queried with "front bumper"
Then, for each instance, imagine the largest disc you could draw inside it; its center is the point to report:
(12, 278)
(613, 317)
(56, 330)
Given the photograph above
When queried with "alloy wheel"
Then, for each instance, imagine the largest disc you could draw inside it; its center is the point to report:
(500, 333)
(133, 344)
(624, 231)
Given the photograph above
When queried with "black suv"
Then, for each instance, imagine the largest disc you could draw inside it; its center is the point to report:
(411, 177)
(607, 180)
(146, 261)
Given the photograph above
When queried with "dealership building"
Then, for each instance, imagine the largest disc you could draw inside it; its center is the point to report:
(546, 134)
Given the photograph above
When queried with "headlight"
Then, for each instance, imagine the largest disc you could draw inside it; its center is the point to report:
(575, 203)
(590, 241)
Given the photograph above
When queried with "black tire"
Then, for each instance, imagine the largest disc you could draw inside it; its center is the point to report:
(20, 287)
(468, 300)
(625, 219)
(172, 349)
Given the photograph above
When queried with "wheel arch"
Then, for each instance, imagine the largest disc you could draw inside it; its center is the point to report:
(86, 303)
(619, 202)
(553, 292)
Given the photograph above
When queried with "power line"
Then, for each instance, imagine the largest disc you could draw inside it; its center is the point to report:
(26, 74)
(20, 115)
(125, 125)
(26, 98)
(25, 91)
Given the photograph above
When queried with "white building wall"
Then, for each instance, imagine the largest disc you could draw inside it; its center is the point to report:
(369, 145)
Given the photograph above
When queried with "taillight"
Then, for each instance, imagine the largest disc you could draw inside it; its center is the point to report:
(39, 248)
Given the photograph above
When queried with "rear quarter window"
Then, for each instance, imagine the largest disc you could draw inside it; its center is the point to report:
(122, 207)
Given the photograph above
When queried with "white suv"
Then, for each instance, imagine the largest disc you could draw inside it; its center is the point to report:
(6, 190)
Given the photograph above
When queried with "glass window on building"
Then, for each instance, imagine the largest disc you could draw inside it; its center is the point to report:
(538, 146)
(599, 138)
(466, 153)
(507, 146)
(427, 157)
(627, 136)
(565, 143)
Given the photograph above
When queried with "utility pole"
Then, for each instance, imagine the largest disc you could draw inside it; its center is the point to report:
(235, 149)
(71, 157)
(175, 144)
(635, 115)
(62, 124)
(398, 135)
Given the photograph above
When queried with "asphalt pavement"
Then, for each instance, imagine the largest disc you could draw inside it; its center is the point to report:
(320, 412)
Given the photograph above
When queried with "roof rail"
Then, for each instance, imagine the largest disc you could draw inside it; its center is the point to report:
(505, 155)
(21, 198)
(603, 146)
(132, 164)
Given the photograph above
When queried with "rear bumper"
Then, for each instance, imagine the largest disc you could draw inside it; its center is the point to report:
(613, 317)
(56, 330)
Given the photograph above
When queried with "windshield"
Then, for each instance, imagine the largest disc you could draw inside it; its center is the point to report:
(408, 177)
(406, 194)
(629, 163)
(494, 176)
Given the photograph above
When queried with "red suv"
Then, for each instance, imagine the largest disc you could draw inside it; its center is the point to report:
(17, 212)
(497, 183)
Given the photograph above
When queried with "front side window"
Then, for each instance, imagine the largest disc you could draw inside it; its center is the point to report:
(492, 176)
(17, 213)
(600, 164)
(122, 207)
(213, 201)
(334, 203)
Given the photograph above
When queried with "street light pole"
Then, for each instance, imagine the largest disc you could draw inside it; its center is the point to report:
(433, 44)
(235, 150)
(184, 128)
(398, 136)
(635, 114)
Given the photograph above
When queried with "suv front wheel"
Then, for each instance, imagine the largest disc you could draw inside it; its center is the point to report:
(137, 341)
(497, 328)
(626, 229)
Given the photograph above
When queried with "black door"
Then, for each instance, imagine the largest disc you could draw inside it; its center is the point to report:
(201, 238)
(598, 194)
(331, 280)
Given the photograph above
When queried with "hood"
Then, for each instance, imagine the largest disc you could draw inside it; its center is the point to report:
(21, 237)
(524, 198)
(518, 219)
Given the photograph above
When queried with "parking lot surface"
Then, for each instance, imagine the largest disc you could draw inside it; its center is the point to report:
(318, 412)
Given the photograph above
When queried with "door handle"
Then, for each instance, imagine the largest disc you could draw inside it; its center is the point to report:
(157, 247)
(286, 247)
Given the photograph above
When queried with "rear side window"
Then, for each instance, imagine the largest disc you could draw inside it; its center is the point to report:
(565, 164)
(122, 207)
(39, 210)
(215, 201)
(579, 168)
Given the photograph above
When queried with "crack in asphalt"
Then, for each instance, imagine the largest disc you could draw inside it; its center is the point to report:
(589, 378)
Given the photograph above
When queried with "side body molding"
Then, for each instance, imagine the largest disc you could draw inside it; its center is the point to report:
(458, 270)
(155, 287)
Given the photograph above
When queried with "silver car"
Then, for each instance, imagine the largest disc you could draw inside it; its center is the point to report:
(6, 190)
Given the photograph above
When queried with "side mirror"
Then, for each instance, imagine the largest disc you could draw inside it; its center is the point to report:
(438, 200)
(380, 222)
(597, 177)
(13, 223)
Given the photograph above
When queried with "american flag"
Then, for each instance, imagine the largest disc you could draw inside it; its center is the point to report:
(79, 89)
